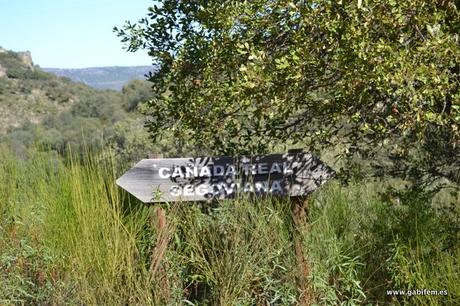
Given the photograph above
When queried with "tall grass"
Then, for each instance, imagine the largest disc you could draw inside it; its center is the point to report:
(240, 252)
(73, 212)
(69, 235)
(361, 246)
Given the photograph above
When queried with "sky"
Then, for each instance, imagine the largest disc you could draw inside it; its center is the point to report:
(71, 33)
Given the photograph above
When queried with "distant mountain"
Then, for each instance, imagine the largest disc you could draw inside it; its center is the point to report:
(103, 77)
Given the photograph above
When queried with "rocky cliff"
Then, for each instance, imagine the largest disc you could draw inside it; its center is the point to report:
(26, 59)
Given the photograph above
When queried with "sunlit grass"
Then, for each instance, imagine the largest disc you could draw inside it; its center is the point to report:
(69, 235)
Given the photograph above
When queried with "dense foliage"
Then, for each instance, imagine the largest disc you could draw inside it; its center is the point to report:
(361, 76)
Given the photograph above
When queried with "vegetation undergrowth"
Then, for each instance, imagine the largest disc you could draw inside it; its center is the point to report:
(69, 235)
(360, 246)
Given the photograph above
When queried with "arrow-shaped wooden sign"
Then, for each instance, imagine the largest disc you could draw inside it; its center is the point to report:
(203, 178)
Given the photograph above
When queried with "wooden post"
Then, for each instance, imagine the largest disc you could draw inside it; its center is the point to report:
(299, 210)
(161, 241)
(158, 269)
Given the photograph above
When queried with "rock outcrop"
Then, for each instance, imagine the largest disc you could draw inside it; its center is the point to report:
(26, 59)
(2, 72)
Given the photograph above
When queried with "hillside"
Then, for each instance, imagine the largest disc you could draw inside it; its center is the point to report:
(28, 94)
(39, 107)
(103, 77)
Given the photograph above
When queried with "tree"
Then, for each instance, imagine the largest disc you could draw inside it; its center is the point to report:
(134, 93)
(244, 76)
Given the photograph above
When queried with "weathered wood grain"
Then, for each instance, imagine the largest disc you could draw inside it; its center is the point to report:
(203, 178)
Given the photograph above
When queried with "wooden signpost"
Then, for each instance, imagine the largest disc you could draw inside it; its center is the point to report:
(205, 178)
(293, 174)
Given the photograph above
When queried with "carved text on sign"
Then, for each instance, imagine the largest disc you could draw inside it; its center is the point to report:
(202, 178)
